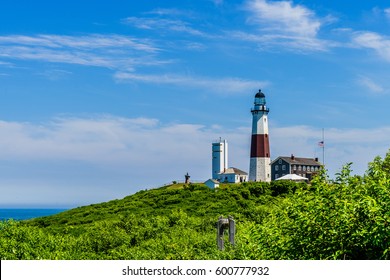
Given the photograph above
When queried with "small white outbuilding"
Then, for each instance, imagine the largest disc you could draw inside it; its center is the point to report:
(212, 183)
(233, 175)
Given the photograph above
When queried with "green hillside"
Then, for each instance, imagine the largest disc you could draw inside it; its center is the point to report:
(345, 218)
(173, 222)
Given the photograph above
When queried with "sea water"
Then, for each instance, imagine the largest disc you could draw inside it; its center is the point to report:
(26, 214)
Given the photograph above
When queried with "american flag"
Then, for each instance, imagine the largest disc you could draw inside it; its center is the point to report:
(321, 143)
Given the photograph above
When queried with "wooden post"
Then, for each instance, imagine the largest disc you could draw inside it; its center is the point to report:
(223, 224)
(232, 230)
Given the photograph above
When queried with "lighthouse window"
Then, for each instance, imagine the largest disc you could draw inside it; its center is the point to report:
(276, 167)
(283, 167)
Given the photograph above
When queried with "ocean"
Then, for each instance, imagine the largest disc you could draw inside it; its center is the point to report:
(26, 214)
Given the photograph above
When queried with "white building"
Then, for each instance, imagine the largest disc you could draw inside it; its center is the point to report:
(233, 175)
(220, 157)
(212, 184)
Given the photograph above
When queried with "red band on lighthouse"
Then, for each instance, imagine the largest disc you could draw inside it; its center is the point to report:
(260, 146)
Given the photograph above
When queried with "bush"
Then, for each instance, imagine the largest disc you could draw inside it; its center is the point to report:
(345, 219)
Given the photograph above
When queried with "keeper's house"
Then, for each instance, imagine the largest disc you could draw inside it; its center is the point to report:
(305, 167)
(233, 175)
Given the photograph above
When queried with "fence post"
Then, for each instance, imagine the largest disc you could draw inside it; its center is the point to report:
(223, 224)
(232, 230)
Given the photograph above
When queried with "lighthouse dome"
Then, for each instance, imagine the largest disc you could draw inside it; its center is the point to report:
(259, 94)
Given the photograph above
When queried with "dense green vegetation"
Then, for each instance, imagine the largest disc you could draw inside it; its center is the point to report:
(345, 218)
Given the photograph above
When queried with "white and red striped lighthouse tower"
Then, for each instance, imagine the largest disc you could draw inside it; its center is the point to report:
(260, 162)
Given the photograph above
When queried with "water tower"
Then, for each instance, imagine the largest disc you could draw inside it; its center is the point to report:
(220, 157)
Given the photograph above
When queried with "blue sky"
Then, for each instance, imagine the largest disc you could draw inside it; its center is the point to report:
(100, 99)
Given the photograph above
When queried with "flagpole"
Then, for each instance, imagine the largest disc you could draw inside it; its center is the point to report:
(323, 148)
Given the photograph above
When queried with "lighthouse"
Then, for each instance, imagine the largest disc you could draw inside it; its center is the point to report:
(260, 168)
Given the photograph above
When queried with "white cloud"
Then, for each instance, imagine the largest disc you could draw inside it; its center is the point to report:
(55, 74)
(50, 55)
(6, 64)
(111, 51)
(369, 84)
(283, 23)
(284, 16)
(170, 12)
(195, 46)
(106, 141)
(93, 41)
(76, 139)
(387, 12)
(163, 24)
(374, 41)
(291, 42)
(219, 85)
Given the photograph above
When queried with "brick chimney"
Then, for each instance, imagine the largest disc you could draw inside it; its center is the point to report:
(292, 157)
